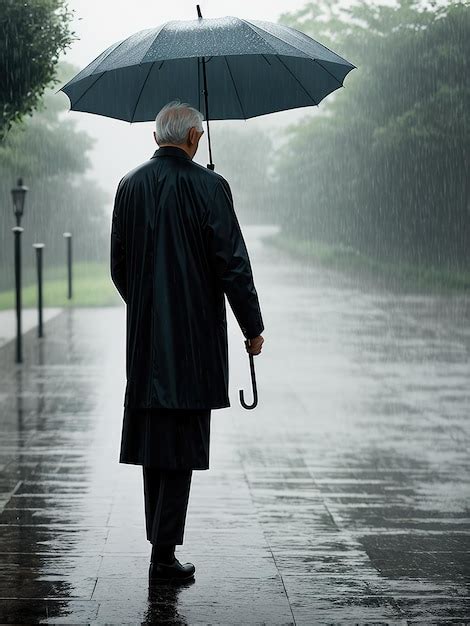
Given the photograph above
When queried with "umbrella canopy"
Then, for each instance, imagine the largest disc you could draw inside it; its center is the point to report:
(252, 68)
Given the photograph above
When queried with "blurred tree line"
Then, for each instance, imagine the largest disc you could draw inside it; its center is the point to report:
(243, 154)
(383, 165)
(51, 155)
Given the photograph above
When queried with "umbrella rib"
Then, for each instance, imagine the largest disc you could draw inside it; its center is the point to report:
(141, 90)
(235, 87)
(296, 79)
(88, 88)
(260, 35)
(326, 70)
(110, 53)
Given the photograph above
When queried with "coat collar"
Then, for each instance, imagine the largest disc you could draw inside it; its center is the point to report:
(171, 151)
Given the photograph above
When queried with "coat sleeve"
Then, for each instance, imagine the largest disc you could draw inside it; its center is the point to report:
(228, 253)
(118, 248)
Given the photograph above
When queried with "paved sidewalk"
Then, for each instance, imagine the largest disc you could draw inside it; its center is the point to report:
(29, 319)
(343, 498)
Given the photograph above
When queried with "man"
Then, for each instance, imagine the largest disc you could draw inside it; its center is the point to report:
(176, 249)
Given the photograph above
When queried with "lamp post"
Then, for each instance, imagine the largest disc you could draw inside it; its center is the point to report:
(18, 194)
(68, 237)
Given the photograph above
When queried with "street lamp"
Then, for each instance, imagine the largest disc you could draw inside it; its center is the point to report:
(19, 194)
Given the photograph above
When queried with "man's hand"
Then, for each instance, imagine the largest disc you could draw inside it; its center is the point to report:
(253, 346)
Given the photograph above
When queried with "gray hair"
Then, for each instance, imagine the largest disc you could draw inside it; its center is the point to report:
(174, 121)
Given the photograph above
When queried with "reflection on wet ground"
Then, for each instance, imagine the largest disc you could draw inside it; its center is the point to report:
(342, 498)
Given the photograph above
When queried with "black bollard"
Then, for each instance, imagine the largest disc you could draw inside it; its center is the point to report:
(68, 237)
(18, 194)
(39, 248)
(19, 348)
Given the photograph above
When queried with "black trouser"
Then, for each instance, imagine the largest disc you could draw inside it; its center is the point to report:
(166, 494)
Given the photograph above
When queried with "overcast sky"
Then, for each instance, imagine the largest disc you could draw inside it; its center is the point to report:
(99, 23)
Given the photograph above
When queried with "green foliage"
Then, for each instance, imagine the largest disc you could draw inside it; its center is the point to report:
(47, 134)
(383, 164)
(32, 35)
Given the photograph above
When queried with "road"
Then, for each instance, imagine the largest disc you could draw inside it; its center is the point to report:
(343, 497)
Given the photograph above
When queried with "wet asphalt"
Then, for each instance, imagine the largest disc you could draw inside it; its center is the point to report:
(342, 498)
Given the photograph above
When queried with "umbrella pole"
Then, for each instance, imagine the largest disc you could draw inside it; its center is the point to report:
(210, 165)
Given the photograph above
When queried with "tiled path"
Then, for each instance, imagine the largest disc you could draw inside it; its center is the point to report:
(343, 498)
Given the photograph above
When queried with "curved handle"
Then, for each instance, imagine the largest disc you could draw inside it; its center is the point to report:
(253, 383)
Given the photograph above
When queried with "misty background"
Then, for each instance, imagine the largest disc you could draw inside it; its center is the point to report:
(374, 179)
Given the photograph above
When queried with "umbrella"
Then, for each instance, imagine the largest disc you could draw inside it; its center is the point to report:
(240, 68)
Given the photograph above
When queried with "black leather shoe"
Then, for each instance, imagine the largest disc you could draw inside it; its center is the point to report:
(171, 571)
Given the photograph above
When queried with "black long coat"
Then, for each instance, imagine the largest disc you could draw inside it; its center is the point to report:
(176, 248)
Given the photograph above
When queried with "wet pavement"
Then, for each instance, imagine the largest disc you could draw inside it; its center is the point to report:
(342, 498)
(29, 319)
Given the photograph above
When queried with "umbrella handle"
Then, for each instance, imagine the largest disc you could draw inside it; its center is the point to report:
(253, 383)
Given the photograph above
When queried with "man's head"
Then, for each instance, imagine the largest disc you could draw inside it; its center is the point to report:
(179, 124)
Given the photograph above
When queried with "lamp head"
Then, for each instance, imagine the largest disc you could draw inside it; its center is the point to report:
(18, 194)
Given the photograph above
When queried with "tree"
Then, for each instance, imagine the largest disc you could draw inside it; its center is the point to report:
(33, 33)
(387, 158)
